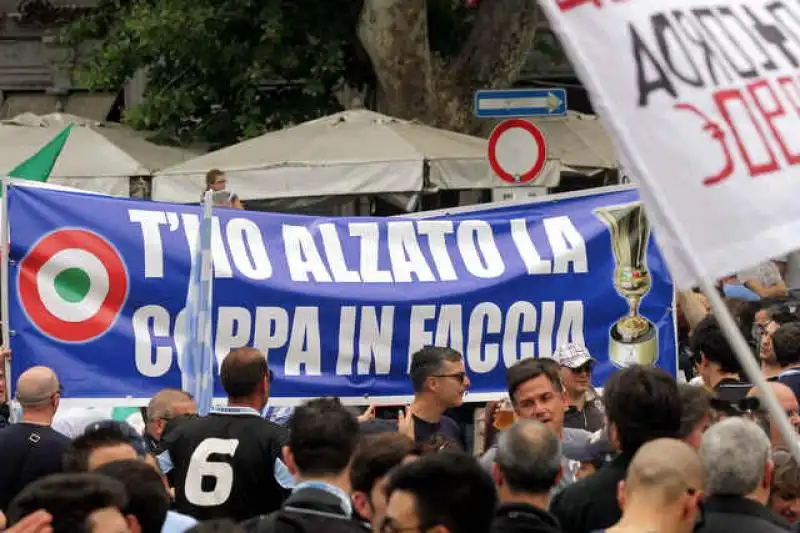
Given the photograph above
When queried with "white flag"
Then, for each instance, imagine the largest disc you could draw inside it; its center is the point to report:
(703, 102)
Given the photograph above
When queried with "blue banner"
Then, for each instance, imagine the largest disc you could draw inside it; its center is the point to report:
(98, 286)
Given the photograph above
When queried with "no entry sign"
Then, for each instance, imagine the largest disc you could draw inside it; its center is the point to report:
(517, 151)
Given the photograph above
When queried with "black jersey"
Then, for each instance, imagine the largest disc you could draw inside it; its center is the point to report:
(223, 465)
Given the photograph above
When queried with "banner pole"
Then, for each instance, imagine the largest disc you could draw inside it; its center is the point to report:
(5, 235)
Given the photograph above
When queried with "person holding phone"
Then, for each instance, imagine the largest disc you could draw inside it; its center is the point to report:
(216, 181)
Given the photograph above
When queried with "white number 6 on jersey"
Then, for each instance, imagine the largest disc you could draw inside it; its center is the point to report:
(200, 467)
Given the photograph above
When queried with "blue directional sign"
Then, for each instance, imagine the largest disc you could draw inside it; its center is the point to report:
(521, 103)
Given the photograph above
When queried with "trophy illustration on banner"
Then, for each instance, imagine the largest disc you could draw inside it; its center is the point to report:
(634, 339)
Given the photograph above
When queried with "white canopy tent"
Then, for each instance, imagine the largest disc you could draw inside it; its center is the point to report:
(134, 143)
(355, 152)
(88, 161)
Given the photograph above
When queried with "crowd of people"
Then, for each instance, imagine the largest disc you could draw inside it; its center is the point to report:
(649, 454)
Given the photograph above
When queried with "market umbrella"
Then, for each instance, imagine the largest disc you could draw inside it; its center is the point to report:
(356, 152)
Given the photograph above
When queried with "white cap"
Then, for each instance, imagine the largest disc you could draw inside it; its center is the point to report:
(572, 355)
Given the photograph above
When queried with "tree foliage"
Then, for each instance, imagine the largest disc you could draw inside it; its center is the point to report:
(221, 70)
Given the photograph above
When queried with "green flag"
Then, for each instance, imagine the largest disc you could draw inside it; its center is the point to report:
(39, 166)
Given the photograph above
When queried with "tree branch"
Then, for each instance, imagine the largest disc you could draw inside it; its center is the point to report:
(394, 34)
(500, 43)
(413, 84)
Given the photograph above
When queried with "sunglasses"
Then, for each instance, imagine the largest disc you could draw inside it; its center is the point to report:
(459, 376)
(584, 368)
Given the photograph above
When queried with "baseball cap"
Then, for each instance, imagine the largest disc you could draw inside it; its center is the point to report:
(588, 447)
(121, 430)
(572, 355)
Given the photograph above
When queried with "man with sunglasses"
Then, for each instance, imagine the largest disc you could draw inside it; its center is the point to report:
(440, 382)
(585, 409)
(31, 449)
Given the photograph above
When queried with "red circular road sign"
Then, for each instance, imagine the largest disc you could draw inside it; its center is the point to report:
(517, 176)
(72, 285)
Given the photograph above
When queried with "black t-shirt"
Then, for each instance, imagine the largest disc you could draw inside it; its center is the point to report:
(28, 452)
(224, 464)
(791, 378)
(446, 427)
(423, 430)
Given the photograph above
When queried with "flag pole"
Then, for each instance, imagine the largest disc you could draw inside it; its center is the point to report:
(5, 235)
(748, 362)
(674, 229)
(728, 325)
(37, 167)
(207, 274)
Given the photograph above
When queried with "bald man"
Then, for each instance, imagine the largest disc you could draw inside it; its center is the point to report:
(32, 449)
(166, 405)
(243, 448)
(788, 401)
(662, 490)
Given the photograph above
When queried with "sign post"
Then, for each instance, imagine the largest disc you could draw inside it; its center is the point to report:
(517, 151)
(517, 148)
(512, 103)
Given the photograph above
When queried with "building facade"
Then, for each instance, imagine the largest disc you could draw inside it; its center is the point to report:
(35, 71)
